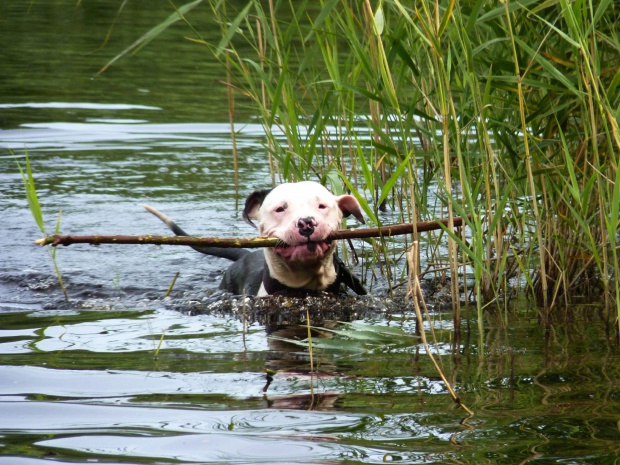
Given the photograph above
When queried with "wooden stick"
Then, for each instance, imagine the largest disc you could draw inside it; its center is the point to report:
(250, 243)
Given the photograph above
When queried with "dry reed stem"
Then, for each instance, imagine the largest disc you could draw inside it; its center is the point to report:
(415, 292)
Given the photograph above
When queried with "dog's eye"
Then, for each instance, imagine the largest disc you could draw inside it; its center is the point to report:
(322, 206)
(281, 208)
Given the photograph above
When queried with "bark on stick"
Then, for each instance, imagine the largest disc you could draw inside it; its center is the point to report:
(250, 243)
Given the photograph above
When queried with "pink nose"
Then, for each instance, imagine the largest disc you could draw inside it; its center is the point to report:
(306, 226)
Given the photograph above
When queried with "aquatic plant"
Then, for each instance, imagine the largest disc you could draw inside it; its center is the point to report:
(37, 214)
(509, 108)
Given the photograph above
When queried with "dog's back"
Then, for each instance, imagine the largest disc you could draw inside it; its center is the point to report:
(243, 277)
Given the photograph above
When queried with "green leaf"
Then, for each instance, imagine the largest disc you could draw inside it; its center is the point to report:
(499, 209)
(387, 187)
(154, 32)
(232, 29)
(573, 187)
(31, 194)
(379, 21)
(360, 90)
(357, 337)
(368, 176)
(473, 16)
(321, 17)
(551, 69)
(446, 18)
(335, 182)
(614, 210)
(500, 11)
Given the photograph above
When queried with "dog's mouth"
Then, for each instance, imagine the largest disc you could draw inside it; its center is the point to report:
(304, 251)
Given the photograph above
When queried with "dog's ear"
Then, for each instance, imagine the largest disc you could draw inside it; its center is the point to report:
(350, 206)
(252, 205)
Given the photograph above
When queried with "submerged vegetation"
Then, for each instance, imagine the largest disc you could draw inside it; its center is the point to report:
(511, 108)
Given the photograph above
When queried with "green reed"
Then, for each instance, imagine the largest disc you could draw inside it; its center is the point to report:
(505, 112)
(37, 213)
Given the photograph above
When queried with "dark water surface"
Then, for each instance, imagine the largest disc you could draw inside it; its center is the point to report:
(122, 375)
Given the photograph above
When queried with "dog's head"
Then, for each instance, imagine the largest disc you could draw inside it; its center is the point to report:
(302, 215)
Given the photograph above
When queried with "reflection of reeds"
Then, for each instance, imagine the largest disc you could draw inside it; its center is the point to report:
(417, 298)
(507, 110)
(37, 213)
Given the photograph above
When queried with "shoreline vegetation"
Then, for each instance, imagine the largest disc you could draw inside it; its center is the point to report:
(510, 109)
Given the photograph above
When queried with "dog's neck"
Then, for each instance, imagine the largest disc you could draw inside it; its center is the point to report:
(272, 286)
(342, 275)
(317, 278)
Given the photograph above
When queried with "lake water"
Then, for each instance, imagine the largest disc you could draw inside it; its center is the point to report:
(120, 374)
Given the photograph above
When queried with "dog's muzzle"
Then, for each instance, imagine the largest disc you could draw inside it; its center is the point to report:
(306, 226)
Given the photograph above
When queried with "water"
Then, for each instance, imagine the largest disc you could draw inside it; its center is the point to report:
(121, 374)
(85, 385)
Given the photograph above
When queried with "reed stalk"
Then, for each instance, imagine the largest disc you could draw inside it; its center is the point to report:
(416, 296)
(528, 160)
(37, 214)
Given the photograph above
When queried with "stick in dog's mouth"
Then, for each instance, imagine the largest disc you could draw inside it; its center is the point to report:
(312, 245)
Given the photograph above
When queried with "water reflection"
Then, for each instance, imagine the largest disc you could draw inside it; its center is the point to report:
(92, 380)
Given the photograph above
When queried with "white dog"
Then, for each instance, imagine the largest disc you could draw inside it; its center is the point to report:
(302, 215)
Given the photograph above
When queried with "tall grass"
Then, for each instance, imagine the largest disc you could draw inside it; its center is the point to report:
(508, 111)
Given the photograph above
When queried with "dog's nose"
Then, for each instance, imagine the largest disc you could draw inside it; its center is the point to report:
(306, 226)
